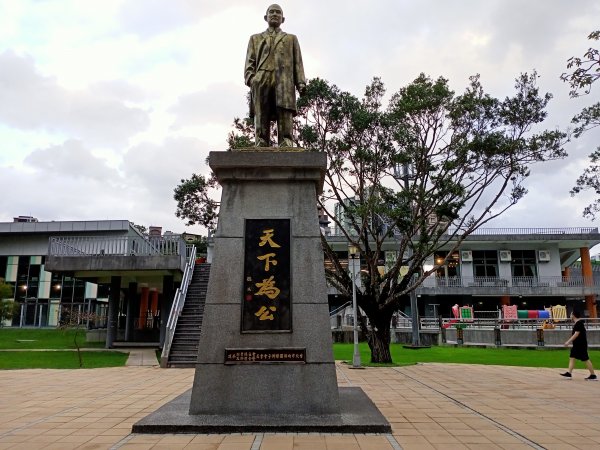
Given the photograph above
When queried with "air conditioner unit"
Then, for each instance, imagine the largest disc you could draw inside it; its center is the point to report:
(505, 256)
(543, 255)
(466, 255)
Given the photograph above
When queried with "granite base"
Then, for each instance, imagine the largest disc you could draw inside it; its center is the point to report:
(358, 414)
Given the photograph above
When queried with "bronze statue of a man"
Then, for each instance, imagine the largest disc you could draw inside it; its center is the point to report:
(273, 72)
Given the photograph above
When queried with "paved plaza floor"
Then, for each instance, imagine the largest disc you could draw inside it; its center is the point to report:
(429, 406)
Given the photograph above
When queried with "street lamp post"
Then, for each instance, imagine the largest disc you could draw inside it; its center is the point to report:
(353, 253)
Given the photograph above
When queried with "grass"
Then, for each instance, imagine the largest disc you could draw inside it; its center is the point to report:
(467, 355)
(60, 360)
(54, 341)
(44, 338)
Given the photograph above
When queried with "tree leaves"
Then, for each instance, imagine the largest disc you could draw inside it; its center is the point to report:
(587, 71)
(194, 202)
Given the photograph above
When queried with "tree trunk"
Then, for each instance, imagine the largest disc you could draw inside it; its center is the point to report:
(379, 339)
(78, 350)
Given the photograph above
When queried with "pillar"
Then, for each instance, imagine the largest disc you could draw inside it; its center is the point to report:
(131, 298)
(165, 306)
(143, 307)
(113, 310)
(588, 280)
(154, 301)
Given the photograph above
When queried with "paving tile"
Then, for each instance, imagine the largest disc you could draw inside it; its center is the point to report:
(235, 446)
(428, 405)
(201, 446)
(206, 438)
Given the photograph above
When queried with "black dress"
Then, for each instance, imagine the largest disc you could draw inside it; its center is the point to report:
(579, 349)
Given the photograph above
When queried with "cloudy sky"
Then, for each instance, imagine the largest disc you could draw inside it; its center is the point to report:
(106, 104)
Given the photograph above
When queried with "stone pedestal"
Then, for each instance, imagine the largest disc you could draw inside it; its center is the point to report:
(267, 185)
(255, 393)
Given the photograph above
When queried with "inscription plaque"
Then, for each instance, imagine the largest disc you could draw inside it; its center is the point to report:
(266, 302)
(264, 355)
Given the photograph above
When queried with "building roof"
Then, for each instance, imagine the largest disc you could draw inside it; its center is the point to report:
(64, 226)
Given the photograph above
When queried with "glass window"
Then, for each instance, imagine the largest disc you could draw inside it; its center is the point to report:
(22, 277)
(523, 263)
(485, 263)
(3, 264)
(67, 290)
(103, 290)
(56, 285)
(452, 266)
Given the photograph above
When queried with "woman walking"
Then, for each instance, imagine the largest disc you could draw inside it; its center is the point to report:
(580, 347)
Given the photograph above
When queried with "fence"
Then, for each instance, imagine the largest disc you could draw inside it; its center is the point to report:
(117, 246)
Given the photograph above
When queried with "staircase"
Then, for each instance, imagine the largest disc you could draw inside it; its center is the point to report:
(184, 348)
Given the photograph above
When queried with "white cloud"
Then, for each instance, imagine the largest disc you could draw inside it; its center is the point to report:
(29, 100)
(106, 104)
(71, 160)
(217, 103)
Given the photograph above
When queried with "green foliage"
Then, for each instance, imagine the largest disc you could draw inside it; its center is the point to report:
(6, 290)
(244, 137)
(141, 228)
(194, 203)
(408, 171)
(8, 308)
(61, 360)
(428, 168)
(586, 72)
(201, 245)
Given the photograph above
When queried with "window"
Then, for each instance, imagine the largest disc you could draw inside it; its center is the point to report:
(3, 265)
(523, 263)
(485, 263)
(22, 277)
(452, 266)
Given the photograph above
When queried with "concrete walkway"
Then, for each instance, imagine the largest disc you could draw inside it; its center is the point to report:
(430, 406)
(140, 356)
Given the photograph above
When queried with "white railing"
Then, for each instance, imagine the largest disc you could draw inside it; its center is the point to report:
(504, 231)
(178, 303)
(469, 282)
(116, 246)
(531, 324)
(512, 231)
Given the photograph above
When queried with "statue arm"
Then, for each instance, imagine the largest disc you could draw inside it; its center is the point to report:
(299, 77)
(250, 66)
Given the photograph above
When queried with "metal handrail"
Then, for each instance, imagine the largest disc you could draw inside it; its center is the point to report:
(500, 231)
(541, 281)
(512, 231)
(590, 323)
(339, 309)
(178, 303)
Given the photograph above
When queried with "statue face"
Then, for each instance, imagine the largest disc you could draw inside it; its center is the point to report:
(274, 16)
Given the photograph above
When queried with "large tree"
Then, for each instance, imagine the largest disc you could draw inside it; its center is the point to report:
(585, 72)
(419, 174)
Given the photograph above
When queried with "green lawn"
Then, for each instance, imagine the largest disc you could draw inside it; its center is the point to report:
(43, 338)
(468, 355)
(60, 359)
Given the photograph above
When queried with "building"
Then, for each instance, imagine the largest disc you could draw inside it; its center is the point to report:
(58, 268)
(529, 267)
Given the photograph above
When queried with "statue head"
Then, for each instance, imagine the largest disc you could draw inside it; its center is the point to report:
(274, 16)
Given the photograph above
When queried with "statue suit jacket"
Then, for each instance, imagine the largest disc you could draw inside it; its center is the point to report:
(289, 71)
